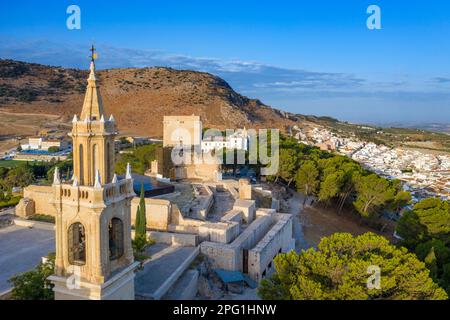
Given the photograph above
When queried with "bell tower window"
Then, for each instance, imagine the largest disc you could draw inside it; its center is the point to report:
(81, 165)
(94, 159)
(115, 238)
(108, 162)
(77, 244)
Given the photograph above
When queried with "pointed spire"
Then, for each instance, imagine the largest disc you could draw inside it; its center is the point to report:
(93, 105)
(75, 181)
(111, 118)
(97, 183)
(56, 179)
(75, 118)
(92, 72)
(102, 119)
(128, 174)
(114, 179)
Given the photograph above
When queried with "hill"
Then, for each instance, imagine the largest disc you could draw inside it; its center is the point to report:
(138, 98)
(36, 97)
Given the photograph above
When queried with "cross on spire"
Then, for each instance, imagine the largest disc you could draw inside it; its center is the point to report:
(93, 54)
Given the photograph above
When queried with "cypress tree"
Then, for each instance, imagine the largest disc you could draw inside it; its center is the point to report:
(137, 223)
(142, 218)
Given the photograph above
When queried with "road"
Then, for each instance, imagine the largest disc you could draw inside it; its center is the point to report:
(21, 249)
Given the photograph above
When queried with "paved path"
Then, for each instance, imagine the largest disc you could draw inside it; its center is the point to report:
(21, 249)
(163, 263)
(295, 208)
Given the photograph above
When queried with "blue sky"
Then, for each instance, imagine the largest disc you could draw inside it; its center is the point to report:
(308, 57)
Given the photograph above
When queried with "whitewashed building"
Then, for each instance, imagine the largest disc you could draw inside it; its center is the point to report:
(238, 141)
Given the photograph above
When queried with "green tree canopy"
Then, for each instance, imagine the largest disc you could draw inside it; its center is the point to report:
(33, 284)
(332, 185)
(430, 218)
(372, 192)
(20, 176)
(307, 178)
(338, 270)
(434, 213)
(288, 164)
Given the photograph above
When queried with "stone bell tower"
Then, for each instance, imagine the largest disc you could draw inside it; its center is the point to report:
(94, 257)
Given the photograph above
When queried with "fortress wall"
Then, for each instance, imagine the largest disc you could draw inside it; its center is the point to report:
(233, 215)
(222, 232)
(221, 256)
(248, 209)
(230, 256)
(278, 239)
(41, 195)
(157, 212)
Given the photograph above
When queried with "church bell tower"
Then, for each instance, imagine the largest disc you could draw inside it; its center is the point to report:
(94, 256)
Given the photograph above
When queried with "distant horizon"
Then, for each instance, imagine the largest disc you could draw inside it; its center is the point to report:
(305, 58)
(418, 124)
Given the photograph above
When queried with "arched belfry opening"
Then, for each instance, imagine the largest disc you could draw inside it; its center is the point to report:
(95, 159)
(115, 230)
(76, 244)
(81, 163)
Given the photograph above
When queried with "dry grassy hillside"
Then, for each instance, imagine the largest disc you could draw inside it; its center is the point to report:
(138, 98)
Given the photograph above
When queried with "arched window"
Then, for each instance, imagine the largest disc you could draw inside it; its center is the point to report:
(77, 244)
(115, 238)
(81, 157)
(94, 159)
(108, 162)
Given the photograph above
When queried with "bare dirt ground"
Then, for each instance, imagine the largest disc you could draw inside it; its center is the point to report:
(312, 223)
(15, 126)
(318, 222)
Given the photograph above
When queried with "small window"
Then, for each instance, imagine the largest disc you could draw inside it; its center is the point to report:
(77, 244)
(115, 238)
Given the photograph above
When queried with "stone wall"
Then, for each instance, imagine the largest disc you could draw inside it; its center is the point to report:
(230, 256)
(233, 215)
(222, 232)
(220, 255)
(277, 240)
(248, 209)
(203, 171)
(245, 189)
(41, 196)
(174, 238)
(25, 208)
(157, 213)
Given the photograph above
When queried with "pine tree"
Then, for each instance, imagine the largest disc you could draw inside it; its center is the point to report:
(431, 263)
(337, 270)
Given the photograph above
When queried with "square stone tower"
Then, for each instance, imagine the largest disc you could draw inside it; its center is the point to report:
(94, 256)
